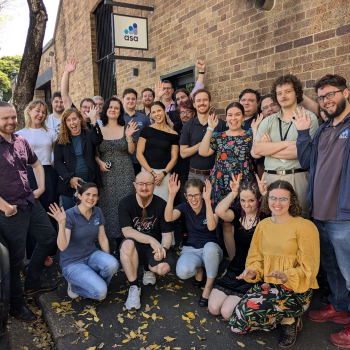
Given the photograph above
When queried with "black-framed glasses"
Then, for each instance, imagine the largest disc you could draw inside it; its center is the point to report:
(186, 112)
(194, 196)
(272, 105)
(329, 96)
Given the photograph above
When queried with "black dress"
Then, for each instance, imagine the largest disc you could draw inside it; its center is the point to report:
(229, 284)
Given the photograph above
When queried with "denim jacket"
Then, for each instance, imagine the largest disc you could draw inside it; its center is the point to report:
(307, 150)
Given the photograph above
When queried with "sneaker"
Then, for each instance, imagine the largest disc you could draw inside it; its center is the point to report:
(48, 262)
(133, 301)
(341, 339)
(149, 278)
(70, 293)
(44, 287)
(327, 313)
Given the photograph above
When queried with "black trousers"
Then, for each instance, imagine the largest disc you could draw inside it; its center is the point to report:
(14, 232)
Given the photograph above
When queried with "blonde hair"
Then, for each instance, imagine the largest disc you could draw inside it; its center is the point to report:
(65, 134)
(28, 119)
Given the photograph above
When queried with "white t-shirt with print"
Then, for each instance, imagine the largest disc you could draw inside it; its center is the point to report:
(53, 123)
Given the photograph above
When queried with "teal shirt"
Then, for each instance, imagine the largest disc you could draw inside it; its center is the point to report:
(82, 168)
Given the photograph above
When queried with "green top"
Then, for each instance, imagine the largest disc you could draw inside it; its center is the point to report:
(270, 125)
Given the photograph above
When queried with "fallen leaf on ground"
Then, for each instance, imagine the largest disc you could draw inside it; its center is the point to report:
(260, 342)
(191, 315)
(145, 315)
(189, 326)
(86, 334)
(125, 340)
(155, 302)
(240, 344)
(55, 305)
(101, 346)
(169, 339)
(177, 305)
(204, 320)
(92, 348)
(116, 346)
(184, 297)
(201, 338)
(154, 316)
(132, 334)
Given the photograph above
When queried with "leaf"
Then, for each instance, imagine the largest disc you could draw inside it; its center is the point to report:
(86, 334)
(191, 315)
(153, 346)
(169, 339)
(116, 346)
(189, 326)
(186, 319)
(240, 344)
(96, 319)
(147, 308)
(201, 338)
(75, 341)
(125, 340)
(55, 305)
(155, 302)
(145, 315)
(192, 332)
(218, 332)
(121, 320)
(184, 297)
(80, 324)
(122, 291)
(177, 305)
(159, 317)
(92, 348)
(154, 316)
(204, 320)
(101, 346)
(144, 326)
(133, 335)
(260, 342)
(102, 325)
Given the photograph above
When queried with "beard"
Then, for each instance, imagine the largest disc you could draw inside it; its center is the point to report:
(8, 130)
(339, 110)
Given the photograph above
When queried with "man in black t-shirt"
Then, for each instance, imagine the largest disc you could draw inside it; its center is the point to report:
(147, 237)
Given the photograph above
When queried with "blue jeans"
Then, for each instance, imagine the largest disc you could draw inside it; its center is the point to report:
(335, 259)
(91, 276)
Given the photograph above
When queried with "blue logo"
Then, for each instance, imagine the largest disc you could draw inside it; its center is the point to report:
(97, 221)
(344, 134)
(131, 33)
(205, 222)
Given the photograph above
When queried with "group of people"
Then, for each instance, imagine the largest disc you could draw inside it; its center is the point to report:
(268, 188)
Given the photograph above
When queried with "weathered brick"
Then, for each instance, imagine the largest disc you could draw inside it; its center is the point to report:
(324, 35)
(303, 41)
(212, 29)
(343, 30)
(284, 47)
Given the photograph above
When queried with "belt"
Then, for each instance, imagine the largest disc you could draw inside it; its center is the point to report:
(285, 172)
(200, 172)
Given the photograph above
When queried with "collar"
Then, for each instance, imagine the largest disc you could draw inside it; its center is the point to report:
(196, 121)
(13, 139)
(203, 209)
(347, 117)
(131, 116)
(77, 211)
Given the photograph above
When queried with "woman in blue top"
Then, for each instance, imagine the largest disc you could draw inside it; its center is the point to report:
(202, 248)
(87, 269)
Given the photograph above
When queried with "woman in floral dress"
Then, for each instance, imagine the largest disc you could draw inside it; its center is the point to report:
(232, 148)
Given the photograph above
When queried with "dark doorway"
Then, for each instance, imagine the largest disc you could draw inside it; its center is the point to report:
(184, 78)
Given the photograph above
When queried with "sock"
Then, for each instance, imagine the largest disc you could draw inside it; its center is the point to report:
(146, 268)
(288, 320)
(135, 283)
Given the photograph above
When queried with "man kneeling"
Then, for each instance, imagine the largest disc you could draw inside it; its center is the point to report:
(147, 237)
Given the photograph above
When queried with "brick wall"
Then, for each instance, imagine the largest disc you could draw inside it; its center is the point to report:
(241, 46)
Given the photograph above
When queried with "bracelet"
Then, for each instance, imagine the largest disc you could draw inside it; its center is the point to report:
(201, 72)
(209, 128)
(128, 140)
(166, 249)
(165, 173)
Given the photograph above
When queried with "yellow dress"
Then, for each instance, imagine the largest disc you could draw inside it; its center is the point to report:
(292, 248)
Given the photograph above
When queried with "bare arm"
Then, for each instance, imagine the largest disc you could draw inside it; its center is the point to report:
(7, 208)
(173, 159)
(137, 236)
(141, 145)
(102, 239)
(39, 174)
(223, 208)
(186, 151)
(201, 68)
(268, 148)
(70, 67)
(167, 237)
(204, 147)
(311, 105)
(288, 153)
(171, 214)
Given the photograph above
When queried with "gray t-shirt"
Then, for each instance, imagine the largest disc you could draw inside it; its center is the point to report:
(83, 235)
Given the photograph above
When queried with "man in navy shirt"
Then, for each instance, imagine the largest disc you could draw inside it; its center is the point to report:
(20, 212)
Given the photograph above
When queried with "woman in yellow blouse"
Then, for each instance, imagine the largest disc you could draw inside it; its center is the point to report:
(283, 261)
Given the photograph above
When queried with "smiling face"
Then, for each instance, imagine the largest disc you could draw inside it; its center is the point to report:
(286, 96)
(8, 120)
(186, 114)
(144, 185)
(168, 91)
(335, 106)
(202, 103)
(158, 114)
(250, 104)
(98, 104)
(194, 197)
(37, 116)
(129, 101)
(147, 99)
(279, 201)
(113, 110)
(269, 107)
(181, 98)
(57, 105)
(74, 124)
(248, 202)
(89, 198)
(85, 108)
(234, 118)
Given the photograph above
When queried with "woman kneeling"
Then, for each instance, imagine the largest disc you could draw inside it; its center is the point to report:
(87, 269)
(202, 248)
(282, 262)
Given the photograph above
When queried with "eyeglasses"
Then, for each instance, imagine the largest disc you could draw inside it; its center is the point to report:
(167, 88)
(329, 96)
(282, 199)
(193, 196)
(272, 105)
(147, 184)
(186, 112)
(99, 104)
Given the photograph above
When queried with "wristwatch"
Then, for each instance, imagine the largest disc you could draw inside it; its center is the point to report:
(165, 173)
(209, 128)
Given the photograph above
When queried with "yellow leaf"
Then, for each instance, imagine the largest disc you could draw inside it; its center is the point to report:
(122, 291)
(121, 320)
(189, 326)
(260, 342)
(153, 346)
(102, 325)
(92, 348)
(159, 317)
(201, 338)
(154, 316)
(132, 334)
(218, 332)
(240, 344)
(86, 334)
(144, 326)
(96, 319)
(204, 320)
(155, 302)
(90, 319)
(192, 332)
(125, 340)
(145, 315)
(25, 348)
(169, 339)
(191, 315)
(55, 305)
(184, 297)
(186, 319)
(177, 305)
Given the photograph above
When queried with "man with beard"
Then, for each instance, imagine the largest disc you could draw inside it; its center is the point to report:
(192, 134)
(147, 100)
(53, 121)
(276, 139)
(327, 155)
(21, 212)
(147, 237)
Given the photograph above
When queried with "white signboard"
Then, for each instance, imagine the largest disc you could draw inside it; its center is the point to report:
(130, 32)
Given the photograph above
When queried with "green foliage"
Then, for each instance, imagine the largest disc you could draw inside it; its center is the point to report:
(7, 65)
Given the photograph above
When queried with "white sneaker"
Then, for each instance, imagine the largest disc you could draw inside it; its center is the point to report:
(133, 301)
(149, 278)
(70, 293)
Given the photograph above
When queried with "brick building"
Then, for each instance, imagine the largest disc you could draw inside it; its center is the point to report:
(242, 47)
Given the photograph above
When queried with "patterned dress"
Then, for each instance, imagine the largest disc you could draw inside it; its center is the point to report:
(232, 157)
(117, 183)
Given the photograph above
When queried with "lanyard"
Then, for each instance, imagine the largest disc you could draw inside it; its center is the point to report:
(285, 136)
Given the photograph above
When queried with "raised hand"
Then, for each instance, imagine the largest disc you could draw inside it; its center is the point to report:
(70, 65)
(58, 214)
(207, 190)
(301, 120)
(201, 65)
(279, 275)
(213, 121)
(265, 137)
(247, 274)
(173, 184)
(169, 122)
(158, 89)
(261, 183)
(234, 184)
(131, 129)
(92, 114)
(256, 122)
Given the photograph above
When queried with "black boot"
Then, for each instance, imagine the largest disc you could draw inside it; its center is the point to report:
(23, 314)
(288, 334)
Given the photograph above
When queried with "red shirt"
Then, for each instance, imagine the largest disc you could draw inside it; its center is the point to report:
(14, 184)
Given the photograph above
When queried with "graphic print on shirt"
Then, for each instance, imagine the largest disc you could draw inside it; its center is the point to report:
(97, 221)
(146, 225)
(139, 123)
(205, 222)
(344, 134)
(57, 129)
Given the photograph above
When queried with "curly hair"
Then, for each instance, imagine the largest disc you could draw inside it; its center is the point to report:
(252, 187)
(288, 79)
(332, 80)
(28, 119)
(294, 205)
(103, 116)
(65, 134)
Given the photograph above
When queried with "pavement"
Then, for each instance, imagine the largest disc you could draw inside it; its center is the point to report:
(169, 318)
